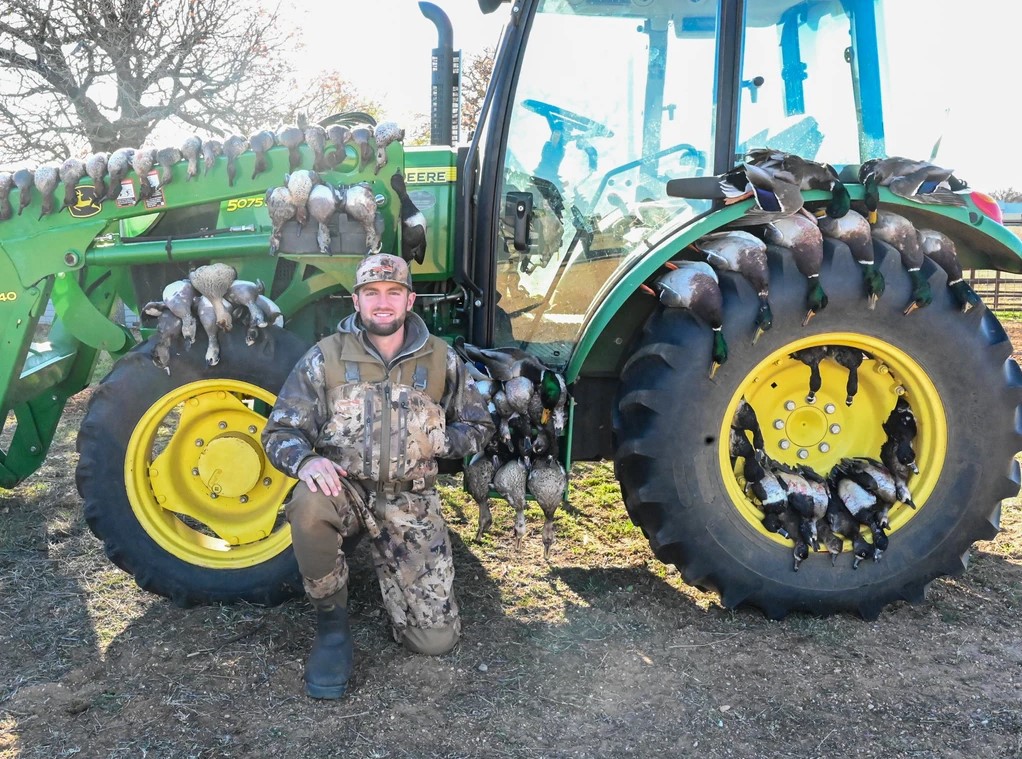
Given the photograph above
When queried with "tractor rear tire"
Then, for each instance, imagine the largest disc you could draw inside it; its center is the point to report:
(672, 421)
(162, 457)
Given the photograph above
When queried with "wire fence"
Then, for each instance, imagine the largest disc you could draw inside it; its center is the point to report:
(999, 290)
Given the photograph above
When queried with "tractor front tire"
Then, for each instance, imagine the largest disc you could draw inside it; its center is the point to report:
(174, 478)
(672, 427)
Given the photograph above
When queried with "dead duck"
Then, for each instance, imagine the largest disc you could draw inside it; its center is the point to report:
(340, 137)
(46, 179)
(385, 133)
(260, 143)
(840, 522)
(762, 482)
(901, 422)
(809, 175)
(178, 298)
(359, 202)
(519, 391)
(299, 184)
(315, 138)
(744, 254)
(941, 248)
(281, 209)
(71, 173)
(207, 311)
(478, 479)
(801, 235)
(95, 167)
(811, 357)
(168, 158)
(191, 149)
(807, 496)
(322, 206)
(168, 328)
(6, 183)
(510, 482)
(117, 166)
(918, 181)
(776, 193)
(851, 359)
(272, 317)
(234, 146)
(503, 364)
(142, 163)
(413, 223)
(874, 478)
(854, 231)
(899, 458)
(292, 138)
(693, 286)
(547, 482)
(361, 138)
(243, 292)
(211, 150)
(213, 281)
(24, 180)
(862, 505)
(745, 420)
(901, 234)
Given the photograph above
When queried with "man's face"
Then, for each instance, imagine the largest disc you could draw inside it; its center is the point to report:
(383, 306)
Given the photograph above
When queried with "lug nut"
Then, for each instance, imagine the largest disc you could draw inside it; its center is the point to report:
(195, 471)
(789, 405)
(899, 390)
(835, 429)
(824, 447)
(267, 481)
(830, 408)
(199, 442)
(214, 495)
(882, 369)
(784, 445)
(252, 429)
(222, 425)
(803, 453)
(778, 424)
(243, 498)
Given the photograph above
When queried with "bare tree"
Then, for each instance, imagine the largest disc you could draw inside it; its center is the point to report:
(102, 74)
(475, 77)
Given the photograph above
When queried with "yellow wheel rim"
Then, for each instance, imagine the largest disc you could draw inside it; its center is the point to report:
(198, 480)
(821, 434)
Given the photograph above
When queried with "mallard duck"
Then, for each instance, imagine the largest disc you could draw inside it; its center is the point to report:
(211, 150)
(942, 250)
(95, 167)
(519, 391)
(299, 184)
(212, 281)
(281, 209)
(117, 166)
(854, 231)
(809, 175)
(260, 143)
(744, 254)
(292, 138)
(693, 286)
(478, 479)
(71, 173)
(142, 163)
(851, 359)
(919, 181)
(340, 136)
(359, 202)
(24, 180)
(46, 179)
(503, 364)
(775, 192)
(801, 235)
(234, 146)
(510, 482)
(811, 357)
(547, 482)
(168, 157)
(413, 223)
(6, 183)
(901, 234)
(322, 206)
(191, 149)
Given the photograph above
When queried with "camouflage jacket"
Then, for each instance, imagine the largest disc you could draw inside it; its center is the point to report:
(344, 402)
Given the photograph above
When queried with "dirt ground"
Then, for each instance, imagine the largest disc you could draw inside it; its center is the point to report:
(601, 653)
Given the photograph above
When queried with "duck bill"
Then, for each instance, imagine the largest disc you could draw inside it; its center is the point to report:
(809, 315)
(758, 335)
(871, 301)
(713, 368)
(910, 308)
(648, 290)
(966, 308)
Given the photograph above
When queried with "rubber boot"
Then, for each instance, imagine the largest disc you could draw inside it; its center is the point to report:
(332, 658)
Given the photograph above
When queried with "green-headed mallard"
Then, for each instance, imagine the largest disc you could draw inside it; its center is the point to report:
(942, 250)
(745, 254)
(809, 175)
(693, 286)
(901, 234)
(918, 181)
(775, 191)
(854, 231)
(801, 235)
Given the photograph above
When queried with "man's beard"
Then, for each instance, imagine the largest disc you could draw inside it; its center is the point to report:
(384, 330)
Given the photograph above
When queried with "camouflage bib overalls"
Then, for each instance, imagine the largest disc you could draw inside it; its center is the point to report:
(385, 429)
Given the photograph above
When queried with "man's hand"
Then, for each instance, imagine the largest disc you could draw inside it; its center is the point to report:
(324, 473)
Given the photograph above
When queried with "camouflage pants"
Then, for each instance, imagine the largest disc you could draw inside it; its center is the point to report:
(412, 558)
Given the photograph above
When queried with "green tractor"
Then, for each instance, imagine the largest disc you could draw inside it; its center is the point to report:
(591, 173)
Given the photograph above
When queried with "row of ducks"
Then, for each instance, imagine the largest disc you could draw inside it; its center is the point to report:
(528, 404)
(812, 510)
(108, 170)
(211, 296)
(304, 194)
(694, 285)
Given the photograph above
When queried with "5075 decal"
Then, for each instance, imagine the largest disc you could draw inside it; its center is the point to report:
(236, 204)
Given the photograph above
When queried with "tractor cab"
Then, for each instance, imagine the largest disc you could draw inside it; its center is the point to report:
(589, 135)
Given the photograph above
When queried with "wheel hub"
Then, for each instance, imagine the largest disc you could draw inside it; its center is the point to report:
(230, 465)
(806, 426)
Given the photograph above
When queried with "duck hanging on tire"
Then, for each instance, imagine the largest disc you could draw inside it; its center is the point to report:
(745, 254)
(693, 286)
(901, 234)
(854, 231)
(800, 234)
(941, 249)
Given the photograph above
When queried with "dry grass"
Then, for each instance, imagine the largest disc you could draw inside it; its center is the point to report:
(602, 653)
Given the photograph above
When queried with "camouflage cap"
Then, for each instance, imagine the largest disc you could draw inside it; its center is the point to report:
(383, 267)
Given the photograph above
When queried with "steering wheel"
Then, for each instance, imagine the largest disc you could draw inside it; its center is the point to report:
(562, 118)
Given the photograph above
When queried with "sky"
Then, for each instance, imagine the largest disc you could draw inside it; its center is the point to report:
(384, 47)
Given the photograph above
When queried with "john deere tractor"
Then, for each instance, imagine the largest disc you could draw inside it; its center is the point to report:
(542, 232)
